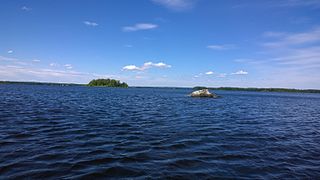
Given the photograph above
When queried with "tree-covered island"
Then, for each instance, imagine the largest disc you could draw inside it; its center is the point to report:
(108, 83)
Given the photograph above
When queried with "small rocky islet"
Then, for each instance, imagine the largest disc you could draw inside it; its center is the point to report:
(203, 93)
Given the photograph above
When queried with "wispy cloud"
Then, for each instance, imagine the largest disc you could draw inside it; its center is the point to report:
(139, 26)
(3, 58)
(10, 52)
(26, 70)
(291, 39)
(222, 75)
(90, 23)
(36, 60)
(300, 49)
(288, 59)
(303, 57)
(25, 8)
(211, 74)
(146, 66)
(176, 5)
(54, 64)
(128, 46)
(241, 72)
(281, 4)
(294, 3)
(68, 66)
(221, 47)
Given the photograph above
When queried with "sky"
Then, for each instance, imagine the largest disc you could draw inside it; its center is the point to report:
(180, 43)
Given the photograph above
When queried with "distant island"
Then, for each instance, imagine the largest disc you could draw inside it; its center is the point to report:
(108, 83)
(260, 89)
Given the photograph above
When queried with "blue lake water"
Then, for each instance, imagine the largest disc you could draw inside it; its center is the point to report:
(82, 132)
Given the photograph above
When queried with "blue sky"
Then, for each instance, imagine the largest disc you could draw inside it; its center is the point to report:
(247, 43)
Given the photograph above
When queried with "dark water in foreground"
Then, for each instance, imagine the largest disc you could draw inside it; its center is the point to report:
(82, 132)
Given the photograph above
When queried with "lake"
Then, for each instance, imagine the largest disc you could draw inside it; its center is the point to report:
(87, 132)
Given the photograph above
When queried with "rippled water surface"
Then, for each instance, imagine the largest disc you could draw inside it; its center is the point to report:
(82, 132)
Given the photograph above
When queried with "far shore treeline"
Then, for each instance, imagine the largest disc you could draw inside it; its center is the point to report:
(117, 83)
(108, 83)
(259, 89)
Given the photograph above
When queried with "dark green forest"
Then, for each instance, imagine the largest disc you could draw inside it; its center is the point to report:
(108, 83)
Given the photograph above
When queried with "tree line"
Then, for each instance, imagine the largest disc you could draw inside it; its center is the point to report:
(108, 83)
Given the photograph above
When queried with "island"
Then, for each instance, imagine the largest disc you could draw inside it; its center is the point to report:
(203, 93)
(108, 83)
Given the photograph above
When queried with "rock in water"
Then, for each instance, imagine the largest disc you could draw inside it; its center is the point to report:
(203, 93)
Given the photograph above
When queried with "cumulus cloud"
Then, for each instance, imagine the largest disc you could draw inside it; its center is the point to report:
(89, 23)
(241, 72)
(139, 26)
(131, 68)
(221, 47)
(177, 5)
(146, 66)
(209, 73)
(10, 52)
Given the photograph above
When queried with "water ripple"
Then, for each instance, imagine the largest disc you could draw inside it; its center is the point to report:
(82, 132)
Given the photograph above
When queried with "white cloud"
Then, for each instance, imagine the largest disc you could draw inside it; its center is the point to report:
(25, 8)
(160, 65)
(68, 66)
(22, 70)
(209, 73)
(177, 5)
(36, 60)
(89, 23)
(13, 69)
(292, 39)
(53, 64)
(145, 66)
(296, 49)
(2, 58)
(241, 72)
(131, 68)
(289, 60)
(221, 47)
(139, 26)
(10, 51)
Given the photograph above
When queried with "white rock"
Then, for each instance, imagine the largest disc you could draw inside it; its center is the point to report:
(203, 93)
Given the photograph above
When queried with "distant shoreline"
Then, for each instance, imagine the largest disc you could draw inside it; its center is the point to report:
(40, 83)
(195, 88)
